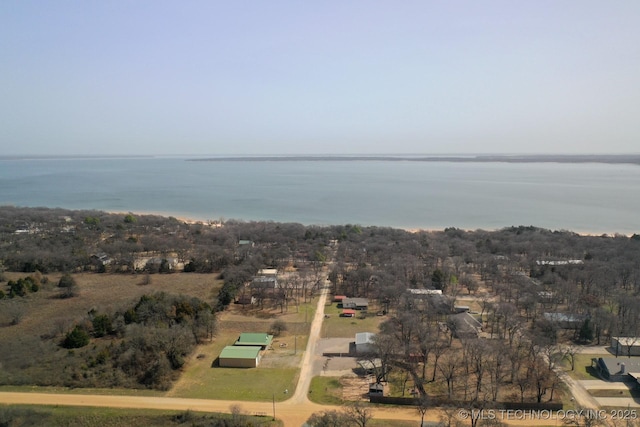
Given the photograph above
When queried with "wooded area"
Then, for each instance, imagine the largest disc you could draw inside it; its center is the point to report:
(523, 284)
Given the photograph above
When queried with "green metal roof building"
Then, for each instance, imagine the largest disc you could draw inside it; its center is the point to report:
(254, 339)
(240, 357)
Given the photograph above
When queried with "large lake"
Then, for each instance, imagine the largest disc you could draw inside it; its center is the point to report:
(590, 198)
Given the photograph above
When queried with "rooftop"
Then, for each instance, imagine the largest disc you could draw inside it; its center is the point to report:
(615, 365)
(364, 337)
(244, 352)
(251, 339)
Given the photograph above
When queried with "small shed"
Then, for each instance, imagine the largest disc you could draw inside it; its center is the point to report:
(254, 339)
(364, 342)
(239, 357)
(348, 313)
(376, 389)
(338, 298)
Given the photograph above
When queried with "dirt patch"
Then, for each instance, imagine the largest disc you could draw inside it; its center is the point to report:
(285, 352)
(355, 389)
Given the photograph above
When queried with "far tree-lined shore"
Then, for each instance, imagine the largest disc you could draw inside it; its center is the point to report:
(503, 158)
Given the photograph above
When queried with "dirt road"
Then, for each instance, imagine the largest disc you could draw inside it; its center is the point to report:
(306, 371)
(293, 412)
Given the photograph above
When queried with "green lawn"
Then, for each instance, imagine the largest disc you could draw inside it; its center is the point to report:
(346, 327)
(67, 390)
(278, 370)
(64, 416)
(583, 369)
(326, 391)
(256, 384)
(203, 379)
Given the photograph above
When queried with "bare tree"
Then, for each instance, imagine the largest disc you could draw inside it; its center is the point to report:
(359, 414)
(422, 405)
(569, 352)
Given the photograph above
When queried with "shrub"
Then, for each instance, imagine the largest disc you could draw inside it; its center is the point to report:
(68, 286)
(77, 338)
(66, 281)
(102, 326)
(278, 327)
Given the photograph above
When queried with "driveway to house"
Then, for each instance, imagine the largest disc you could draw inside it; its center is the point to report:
(306, 371)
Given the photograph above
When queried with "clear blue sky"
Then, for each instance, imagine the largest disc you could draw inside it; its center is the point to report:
(299, 77)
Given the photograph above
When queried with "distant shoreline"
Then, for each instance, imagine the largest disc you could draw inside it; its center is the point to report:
(189, 219)
(632, 159)
(533, 158)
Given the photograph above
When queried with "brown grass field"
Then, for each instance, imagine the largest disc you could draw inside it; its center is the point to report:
(44, 314)
(103, 292)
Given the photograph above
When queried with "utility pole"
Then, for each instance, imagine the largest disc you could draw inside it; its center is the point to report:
(274, 406)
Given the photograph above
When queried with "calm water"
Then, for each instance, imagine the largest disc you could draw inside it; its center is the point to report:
(596, 198)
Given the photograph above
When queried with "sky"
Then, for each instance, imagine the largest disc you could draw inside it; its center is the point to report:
(155, 77)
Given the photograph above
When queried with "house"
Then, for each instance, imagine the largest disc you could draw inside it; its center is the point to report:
(264, 282)
(625, 346)
(424, 292)
(240, 357)
(429, 299)
(245, 299)
(348, 313)
(364, 342)
(619, 368)
(101, 258)
(261, 340)
(464, 325)
(565, 320)
(546, 296)
(355, 303)
(560, 262)
(268, 272)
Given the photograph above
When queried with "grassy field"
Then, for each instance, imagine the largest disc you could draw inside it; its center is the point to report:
(278, 369)
(277, 372)
(326, 391)
(103, 292)
(68, 390)
(346, 327)
(583, 369)
(64, 416)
